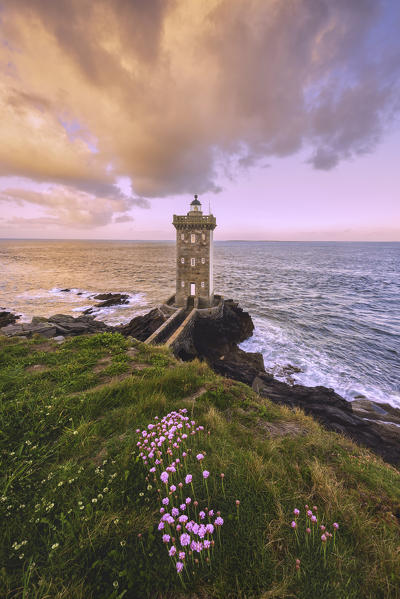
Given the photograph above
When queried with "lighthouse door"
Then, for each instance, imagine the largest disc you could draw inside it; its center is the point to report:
(192, 288)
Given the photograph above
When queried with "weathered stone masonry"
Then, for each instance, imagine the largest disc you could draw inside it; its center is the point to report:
(194, 257)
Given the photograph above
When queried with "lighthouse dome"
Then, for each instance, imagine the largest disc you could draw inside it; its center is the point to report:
(195, 202)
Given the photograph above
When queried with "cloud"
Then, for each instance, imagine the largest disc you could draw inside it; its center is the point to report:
(171, 93)
(65, 206)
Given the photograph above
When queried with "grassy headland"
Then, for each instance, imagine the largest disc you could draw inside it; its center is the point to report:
(75, 494)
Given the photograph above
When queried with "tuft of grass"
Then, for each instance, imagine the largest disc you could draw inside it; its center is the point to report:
(74, 494)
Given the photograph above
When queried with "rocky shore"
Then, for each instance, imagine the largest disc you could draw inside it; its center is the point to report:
(216, 340)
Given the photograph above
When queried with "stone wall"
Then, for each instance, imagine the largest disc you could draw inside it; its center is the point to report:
(194, 239)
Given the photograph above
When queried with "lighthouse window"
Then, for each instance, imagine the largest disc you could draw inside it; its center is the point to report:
(202, 283)
(192, 261)
(183, 284)
(203, 236)
(183, 260)
(182, 236)
(203, 260)
(193, 238)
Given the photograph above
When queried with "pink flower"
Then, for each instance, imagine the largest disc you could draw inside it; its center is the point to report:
(211, 513)
(174, 511)
(200, 457)
(182, 507)
(162, 510)
(182, 555)
(218, 521)
(313, 519)
(323, 538)
(188, 500)
(188, 479)
(185, 539)
(166, 538)
(335, 525)
(164, 477)
(308, 531)
(293, 524)
(222, 475)
(202, 515)
(161, 526)
(179, 566)
(173, 488)
(165, 501)
(209, 529)
(206, 544)
(309, 513)
(322, 527)
(206, 474)
(237, 502)
(172, 551)
(183, 518)
(296, 512)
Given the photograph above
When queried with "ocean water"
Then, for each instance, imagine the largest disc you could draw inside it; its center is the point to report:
(331, 310)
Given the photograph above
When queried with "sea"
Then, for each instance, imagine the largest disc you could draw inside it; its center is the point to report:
(325, 313)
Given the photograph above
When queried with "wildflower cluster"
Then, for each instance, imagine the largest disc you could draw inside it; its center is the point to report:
(313, 531)
(166, 448)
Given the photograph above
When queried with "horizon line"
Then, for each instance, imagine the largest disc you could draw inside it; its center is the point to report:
(215, 241)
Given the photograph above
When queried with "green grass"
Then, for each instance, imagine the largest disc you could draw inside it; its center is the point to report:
(74, 494)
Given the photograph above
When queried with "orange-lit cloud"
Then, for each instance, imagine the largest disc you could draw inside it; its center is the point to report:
(169, 93)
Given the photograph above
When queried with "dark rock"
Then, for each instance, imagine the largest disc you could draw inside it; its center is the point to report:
(377, 412)
(142, 327)
(67, 325)
(108, 299)
(238, 364)
(111, 299)
(59, 324)
(65, 290)
(286, 372)
(7, 318)
(26, 329)
(217, 337)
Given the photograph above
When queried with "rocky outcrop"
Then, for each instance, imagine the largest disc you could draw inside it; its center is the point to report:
(7, 318)
(108, 299)
(215, 337)
(59, 324)
(216, 341)
(335, 413)
(141, 327)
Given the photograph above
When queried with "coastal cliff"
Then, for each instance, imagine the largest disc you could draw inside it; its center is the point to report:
(215, 340)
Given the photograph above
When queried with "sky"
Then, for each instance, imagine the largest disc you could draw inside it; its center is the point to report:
(283, 115)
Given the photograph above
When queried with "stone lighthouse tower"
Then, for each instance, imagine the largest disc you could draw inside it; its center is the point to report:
(194, 257)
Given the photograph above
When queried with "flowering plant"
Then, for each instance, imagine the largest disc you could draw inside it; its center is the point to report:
(166, 448)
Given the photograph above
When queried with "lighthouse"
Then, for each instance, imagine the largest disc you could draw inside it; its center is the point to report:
(194, 257)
